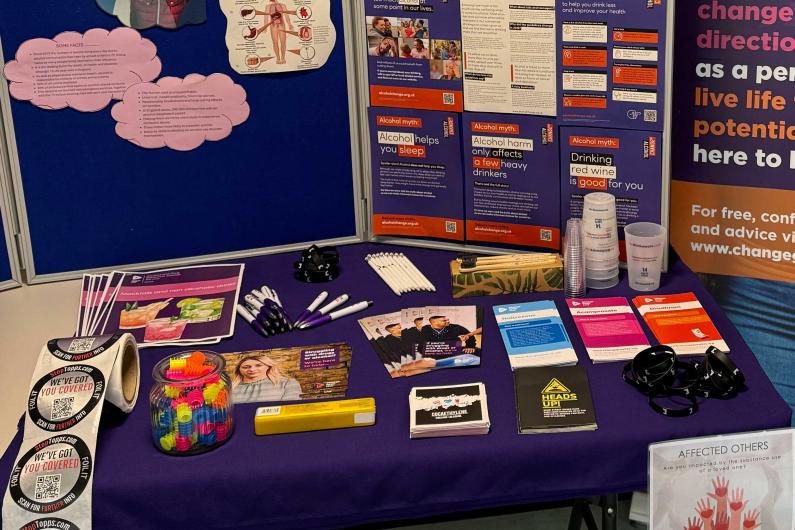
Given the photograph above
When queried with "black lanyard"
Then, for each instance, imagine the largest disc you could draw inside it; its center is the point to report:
(318, 264)
(658, 374)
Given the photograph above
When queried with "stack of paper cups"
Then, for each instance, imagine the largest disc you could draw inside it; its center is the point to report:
(600, 239)
(574, 260)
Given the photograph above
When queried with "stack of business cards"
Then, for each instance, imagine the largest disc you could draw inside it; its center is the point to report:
(180, 306)
(457, 410)
(553, 399)
(534, 334)
(420, 339)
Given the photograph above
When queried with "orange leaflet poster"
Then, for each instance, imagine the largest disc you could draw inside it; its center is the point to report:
(680, 321)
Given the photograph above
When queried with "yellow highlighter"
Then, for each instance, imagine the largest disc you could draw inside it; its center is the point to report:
(319, 416)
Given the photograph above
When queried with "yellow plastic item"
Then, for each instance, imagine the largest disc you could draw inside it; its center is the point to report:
(319, 416)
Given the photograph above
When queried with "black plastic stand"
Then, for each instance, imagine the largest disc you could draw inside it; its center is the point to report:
(581, 513)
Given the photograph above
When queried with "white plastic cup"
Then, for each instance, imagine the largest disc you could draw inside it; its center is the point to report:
(600, 226)
(645, 246)
(574, 260)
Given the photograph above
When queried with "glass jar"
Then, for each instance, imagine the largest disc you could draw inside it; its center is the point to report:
(191, 403)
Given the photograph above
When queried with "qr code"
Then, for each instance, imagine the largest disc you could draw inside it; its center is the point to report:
(48, 487)
(448, 98)
(62, 408)
(81, 345)
(450, 227)
(650, 115)
(546, 235)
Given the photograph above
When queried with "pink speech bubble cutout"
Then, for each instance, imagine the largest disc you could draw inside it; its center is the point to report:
(181, 113)
(82, 71)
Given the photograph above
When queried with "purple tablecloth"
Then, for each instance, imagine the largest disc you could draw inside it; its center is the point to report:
(350, 476)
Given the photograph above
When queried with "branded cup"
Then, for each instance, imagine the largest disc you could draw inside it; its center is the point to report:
(645, 246)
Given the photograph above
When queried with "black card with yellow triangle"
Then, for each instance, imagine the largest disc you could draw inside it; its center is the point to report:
(553, 399)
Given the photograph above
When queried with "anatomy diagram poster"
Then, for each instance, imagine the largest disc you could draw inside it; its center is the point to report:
(612, 63)
(271, 36)
(737, 481)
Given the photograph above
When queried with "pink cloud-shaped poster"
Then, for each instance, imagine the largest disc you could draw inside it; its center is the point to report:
(84, 71)
(181, 113)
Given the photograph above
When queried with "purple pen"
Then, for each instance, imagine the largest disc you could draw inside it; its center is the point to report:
(311, 308)
(280, 312)
(334, 315)
(253, 322)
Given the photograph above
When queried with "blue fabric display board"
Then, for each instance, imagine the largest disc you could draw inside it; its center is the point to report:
(6, 273)
(96, 200)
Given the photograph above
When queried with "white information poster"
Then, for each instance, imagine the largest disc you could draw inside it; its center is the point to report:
(741, 481)
(271, 36)
(509, 56)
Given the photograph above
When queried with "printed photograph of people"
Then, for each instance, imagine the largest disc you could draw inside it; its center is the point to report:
(450, 338)
(451, 70)
(382, 27)
(437, 68)
(288, 374)
(446, 49)
(419, 48)
(382, 47)
(257, 377)
(142, 14)
(405, 51)
(411, 28)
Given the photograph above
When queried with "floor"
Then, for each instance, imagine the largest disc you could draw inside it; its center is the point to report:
(31, 315)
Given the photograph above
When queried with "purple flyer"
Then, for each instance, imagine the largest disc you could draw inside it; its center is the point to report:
(414, 54)
(417, 189)
(612, 63)
(509, 163)
(627, 164)
(186, 305)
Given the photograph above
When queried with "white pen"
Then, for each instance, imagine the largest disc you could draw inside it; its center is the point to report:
(326, 308)
(371, 260)
(407, 280)
(382, 262)
(412, 279)
(311, 307)
(334, 315)
(411, 265)
(334, 304)
(258, 294)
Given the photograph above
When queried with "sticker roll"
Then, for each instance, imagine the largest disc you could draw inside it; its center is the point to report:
(53, 474)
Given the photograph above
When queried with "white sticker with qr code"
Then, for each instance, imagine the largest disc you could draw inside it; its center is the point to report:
(48, 487)
(268, 411)
(448, 98)
(650, 115)
(81, 345)
(451, 227)
(62, 408)
(73, 378)
(545, 235)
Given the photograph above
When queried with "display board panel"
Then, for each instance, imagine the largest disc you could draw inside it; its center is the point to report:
(7, 275)
(631, 61)
(94, 200)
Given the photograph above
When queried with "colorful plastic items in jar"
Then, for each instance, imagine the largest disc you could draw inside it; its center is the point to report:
(191, 403)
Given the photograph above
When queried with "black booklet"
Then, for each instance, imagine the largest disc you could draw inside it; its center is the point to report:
(553, 399)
